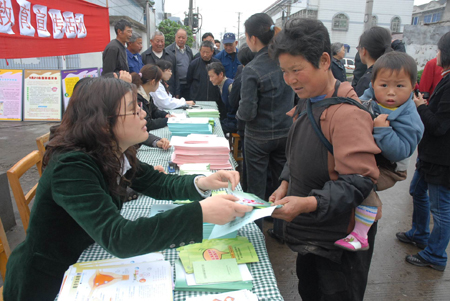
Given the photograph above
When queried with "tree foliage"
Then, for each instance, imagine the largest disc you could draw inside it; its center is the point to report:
(169, 28)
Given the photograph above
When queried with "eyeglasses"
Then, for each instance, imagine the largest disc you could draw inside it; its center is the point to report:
(134, 113)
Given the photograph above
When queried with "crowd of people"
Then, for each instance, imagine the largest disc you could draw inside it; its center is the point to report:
(312, 141)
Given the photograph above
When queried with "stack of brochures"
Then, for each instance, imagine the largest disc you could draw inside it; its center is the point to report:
(145, 277)
(210, 113)
(241, 295)
(195, 169)
(186, 126)
(215, 265)
(202, 149)
(207, 227)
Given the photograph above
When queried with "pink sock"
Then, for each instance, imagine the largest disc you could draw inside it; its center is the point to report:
(364, 218)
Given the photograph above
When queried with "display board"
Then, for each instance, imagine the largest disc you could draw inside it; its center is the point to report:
(11, 86)
(71, 77)
(42, 95)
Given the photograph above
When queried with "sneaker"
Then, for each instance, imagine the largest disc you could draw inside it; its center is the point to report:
(275, 236)
(420, 262)
(405, 239)
(353, 242)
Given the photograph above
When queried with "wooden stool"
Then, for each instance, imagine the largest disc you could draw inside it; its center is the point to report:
(237, 154)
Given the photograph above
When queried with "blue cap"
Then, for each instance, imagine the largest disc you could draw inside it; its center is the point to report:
(229, 37)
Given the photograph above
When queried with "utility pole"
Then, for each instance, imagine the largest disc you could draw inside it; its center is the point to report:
(239, 23)
(368, 15)
(190, 14)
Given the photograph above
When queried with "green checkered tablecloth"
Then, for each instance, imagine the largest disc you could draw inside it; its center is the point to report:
(264, 282)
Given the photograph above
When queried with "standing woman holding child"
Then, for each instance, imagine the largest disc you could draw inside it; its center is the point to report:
(373, 43)
(88, 163)
(265, 99)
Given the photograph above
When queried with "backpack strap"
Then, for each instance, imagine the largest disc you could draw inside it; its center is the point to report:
(327, 103)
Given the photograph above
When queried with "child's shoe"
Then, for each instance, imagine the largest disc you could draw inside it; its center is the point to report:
(353, 242)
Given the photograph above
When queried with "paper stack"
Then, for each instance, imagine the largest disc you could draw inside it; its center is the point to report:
(186, 126)
(145, 277)
(195, 169)
(207, 227)
(211, 113)
(215, 265)
(202, 149)
(241, 295)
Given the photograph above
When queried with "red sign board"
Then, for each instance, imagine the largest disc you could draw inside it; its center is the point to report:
(37, 28)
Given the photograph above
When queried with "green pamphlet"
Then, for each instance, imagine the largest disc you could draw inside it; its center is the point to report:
(217, 271)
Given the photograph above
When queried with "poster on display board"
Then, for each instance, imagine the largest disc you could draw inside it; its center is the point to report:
(71, 77)
(11, 84)
(42, 95)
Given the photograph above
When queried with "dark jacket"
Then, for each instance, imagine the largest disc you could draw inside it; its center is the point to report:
(200, 87)
(156, 118)
(114, 57)
(148, 57)
(338, 70)
(339, 182)
(171, 51)
(229, 64)
(364, 82)
(265, 99)
(235, 97)
(359, 71)
(73, 209)
(434, 148)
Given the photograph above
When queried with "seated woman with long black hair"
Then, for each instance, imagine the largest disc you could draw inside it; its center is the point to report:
(88, 163)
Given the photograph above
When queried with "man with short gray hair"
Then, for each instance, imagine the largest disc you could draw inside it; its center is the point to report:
(157, 52)
(134, 46)
(181, 56)
(199, 85)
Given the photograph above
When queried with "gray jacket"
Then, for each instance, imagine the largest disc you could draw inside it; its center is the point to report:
(265, 99)
(171, 51)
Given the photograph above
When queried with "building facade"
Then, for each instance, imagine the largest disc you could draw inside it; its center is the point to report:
(345, 19)
(427, 13)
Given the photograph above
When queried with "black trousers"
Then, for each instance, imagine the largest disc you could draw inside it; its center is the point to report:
(320, 279)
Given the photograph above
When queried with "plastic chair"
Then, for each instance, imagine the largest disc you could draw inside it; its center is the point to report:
(14, 174)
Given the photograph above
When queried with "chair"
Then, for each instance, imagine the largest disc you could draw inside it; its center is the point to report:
(14, 174)
(5, 251)
(237, 153)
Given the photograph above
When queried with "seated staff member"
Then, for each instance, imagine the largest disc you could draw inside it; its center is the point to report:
(148, 81)
(162, 97)
(88, 163)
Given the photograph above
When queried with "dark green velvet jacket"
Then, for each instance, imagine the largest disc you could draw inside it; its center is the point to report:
(73, 209)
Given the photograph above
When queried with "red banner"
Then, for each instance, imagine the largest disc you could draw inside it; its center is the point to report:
(37, 28)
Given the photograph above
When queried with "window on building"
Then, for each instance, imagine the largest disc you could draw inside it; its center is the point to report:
(436, 17)
(395, 24)
(340, 22)
(374, 20)
(415, 21)
(427, 18)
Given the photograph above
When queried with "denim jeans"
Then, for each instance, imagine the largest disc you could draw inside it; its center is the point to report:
(435, 198)
(262, 156)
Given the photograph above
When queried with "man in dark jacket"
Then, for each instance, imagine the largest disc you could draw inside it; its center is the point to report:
(180, 55)
(157, 52)
(115, 55)
(199, 85)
